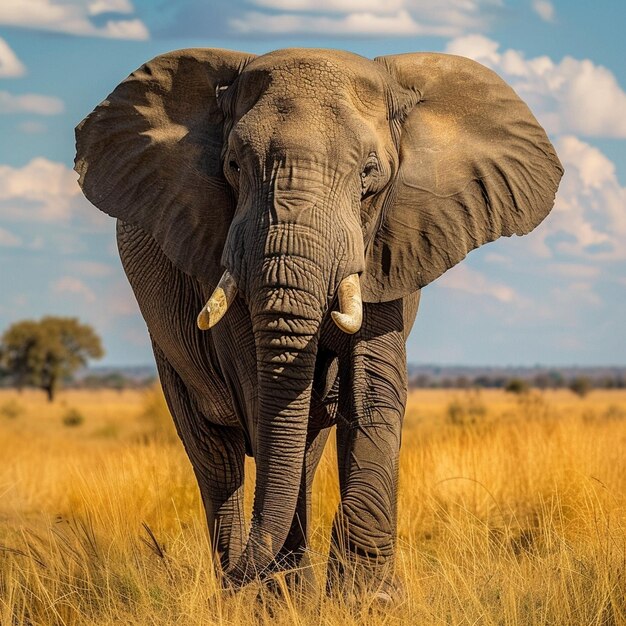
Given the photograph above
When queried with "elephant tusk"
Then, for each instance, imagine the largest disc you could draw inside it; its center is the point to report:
(217, 305)
(350, 314)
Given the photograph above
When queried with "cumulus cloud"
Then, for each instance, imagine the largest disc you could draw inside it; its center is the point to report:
(398, 18)
(110, 6)
(588, 219)
(41, 190)
(30, 103)
(73, 286)
(10, 65)
(544, 9)
(584, 234)
(463, 278)
(571, 96)
(333, 6)
(397, 24)
(73, 17)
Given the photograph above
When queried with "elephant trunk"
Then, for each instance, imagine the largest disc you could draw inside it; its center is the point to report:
(286, 312)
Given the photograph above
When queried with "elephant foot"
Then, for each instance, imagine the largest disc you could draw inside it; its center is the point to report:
(289, 578)
(292, 580)
(359, 584)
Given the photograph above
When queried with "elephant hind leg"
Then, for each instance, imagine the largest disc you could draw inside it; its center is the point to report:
(217, 456)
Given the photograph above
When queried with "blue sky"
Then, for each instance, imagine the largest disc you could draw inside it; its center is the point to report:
(555, 297)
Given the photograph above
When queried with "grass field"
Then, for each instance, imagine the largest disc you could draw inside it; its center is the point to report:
(512, 512)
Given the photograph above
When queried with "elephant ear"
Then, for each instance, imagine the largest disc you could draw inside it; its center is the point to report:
(475, 165)
(150, 155)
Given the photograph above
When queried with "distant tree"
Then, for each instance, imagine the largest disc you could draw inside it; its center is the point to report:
(516, 385)
(580, 385)
(44, 353)
(556, 379)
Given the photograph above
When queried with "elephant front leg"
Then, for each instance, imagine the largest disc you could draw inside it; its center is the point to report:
(217, 455)
(372, 403)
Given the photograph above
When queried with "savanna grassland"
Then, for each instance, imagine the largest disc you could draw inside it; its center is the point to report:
(512, 511)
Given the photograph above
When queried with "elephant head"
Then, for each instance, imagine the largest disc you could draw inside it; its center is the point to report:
(305, 177)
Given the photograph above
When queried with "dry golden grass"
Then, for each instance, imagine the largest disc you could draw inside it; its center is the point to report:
(512, 512)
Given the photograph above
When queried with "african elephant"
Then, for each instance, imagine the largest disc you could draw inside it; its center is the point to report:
(298, 201)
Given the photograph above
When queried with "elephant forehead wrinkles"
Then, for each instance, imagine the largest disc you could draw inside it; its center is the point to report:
(297, 132)
(290, 119)
(299, 77)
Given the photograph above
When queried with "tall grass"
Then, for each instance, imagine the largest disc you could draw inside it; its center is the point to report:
(512, 511)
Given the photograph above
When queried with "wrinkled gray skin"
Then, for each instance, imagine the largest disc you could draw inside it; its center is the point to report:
(293, 170)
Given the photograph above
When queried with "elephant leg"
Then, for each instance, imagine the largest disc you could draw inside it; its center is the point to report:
(217, 456)
(369, 423)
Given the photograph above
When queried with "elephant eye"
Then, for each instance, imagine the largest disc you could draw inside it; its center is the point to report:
(234, 165)
(370, 167)
(368, 173)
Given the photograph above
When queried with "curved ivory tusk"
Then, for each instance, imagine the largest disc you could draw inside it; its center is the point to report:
(213, 311)
(350, 314)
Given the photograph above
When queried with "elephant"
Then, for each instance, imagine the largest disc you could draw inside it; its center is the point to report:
(277, 217)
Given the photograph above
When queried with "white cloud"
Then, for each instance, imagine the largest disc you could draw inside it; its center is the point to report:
(109, 6)
(398, 24)
(74, 286)
(40, 190)
(367, 17)
(587, 227)
(544, 9)
(10, 65)
(72, 17)
(333, 6)
(463, 278)
(572, 96)
(30, 103)
(124, 29)
(8, 239)
(589, 209)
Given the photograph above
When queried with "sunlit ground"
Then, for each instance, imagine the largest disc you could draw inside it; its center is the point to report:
(512, 511)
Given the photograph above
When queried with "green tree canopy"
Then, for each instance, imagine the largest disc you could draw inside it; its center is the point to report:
(44, 353)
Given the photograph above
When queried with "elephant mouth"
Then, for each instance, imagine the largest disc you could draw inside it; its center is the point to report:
(348, 318)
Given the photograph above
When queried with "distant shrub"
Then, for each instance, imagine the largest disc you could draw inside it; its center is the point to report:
(516, 385)
(72, 418)
(11, 409)
(534, 405)
(580, 385)
(614, 412)
(456, 412)
(469, 411)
